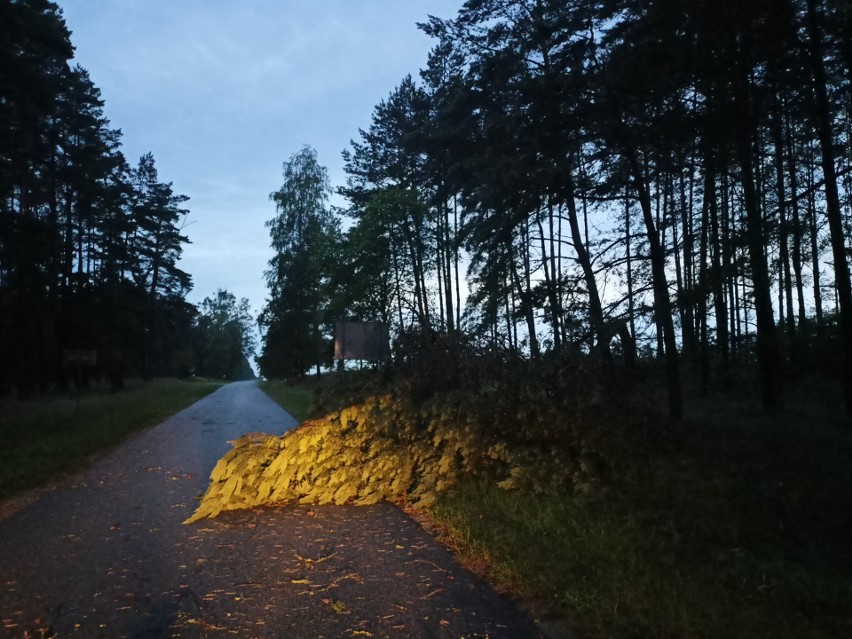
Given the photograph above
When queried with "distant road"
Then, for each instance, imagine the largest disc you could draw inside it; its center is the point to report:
(107, 556)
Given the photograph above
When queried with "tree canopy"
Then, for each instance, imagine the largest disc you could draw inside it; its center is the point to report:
(304, 234)
(89, 244)
(225, 340)
(665, 179)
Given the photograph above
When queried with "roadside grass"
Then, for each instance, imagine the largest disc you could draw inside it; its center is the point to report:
(296, 399)
(314, 396)
(744, 531)
(46, 437)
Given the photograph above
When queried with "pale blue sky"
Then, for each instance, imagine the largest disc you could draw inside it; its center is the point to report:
(222, 92)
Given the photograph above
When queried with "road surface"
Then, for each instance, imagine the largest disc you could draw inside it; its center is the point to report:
(106, 555)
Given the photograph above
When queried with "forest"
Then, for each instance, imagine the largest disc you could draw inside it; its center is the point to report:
(640, 182)
(90, 244)
(610, 241)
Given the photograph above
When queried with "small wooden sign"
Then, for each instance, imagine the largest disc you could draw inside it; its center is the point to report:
(79, 357)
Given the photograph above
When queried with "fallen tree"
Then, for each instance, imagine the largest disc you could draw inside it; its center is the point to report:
(388, 449)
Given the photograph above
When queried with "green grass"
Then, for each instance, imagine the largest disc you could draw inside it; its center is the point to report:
(298, 400)
(744, 531)
(46, 437)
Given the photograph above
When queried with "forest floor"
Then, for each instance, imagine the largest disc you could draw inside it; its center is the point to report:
(743, 530)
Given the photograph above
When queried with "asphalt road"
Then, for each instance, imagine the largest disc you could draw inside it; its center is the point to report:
(106, 555)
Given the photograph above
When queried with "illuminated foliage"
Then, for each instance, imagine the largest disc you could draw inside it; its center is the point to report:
(389, 448)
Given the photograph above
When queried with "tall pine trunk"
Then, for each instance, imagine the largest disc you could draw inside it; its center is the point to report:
(767, 341)
(822, 122)
(785, 279)
(796, 227)
(601, 344)
(662, 301)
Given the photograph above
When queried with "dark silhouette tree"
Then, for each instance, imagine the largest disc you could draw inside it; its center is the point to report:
(225, 338)
(305, 236)
(88, 248)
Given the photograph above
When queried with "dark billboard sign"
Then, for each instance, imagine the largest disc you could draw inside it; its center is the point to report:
(361, 340)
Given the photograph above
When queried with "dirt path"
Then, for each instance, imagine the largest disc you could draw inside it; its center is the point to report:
(107, 556)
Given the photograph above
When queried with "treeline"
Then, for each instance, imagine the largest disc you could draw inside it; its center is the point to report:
(668, 178)
(89, 245)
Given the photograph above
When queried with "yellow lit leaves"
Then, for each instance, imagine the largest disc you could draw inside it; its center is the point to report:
(381, 449)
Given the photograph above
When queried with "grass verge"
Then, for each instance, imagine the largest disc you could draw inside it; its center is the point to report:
(298, 400)
(741, 532)
(44, 438)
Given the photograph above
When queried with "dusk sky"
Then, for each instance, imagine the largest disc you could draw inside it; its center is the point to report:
(222, 93)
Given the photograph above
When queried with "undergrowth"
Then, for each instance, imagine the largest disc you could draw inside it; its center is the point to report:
(742, 529)
(297, 400)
